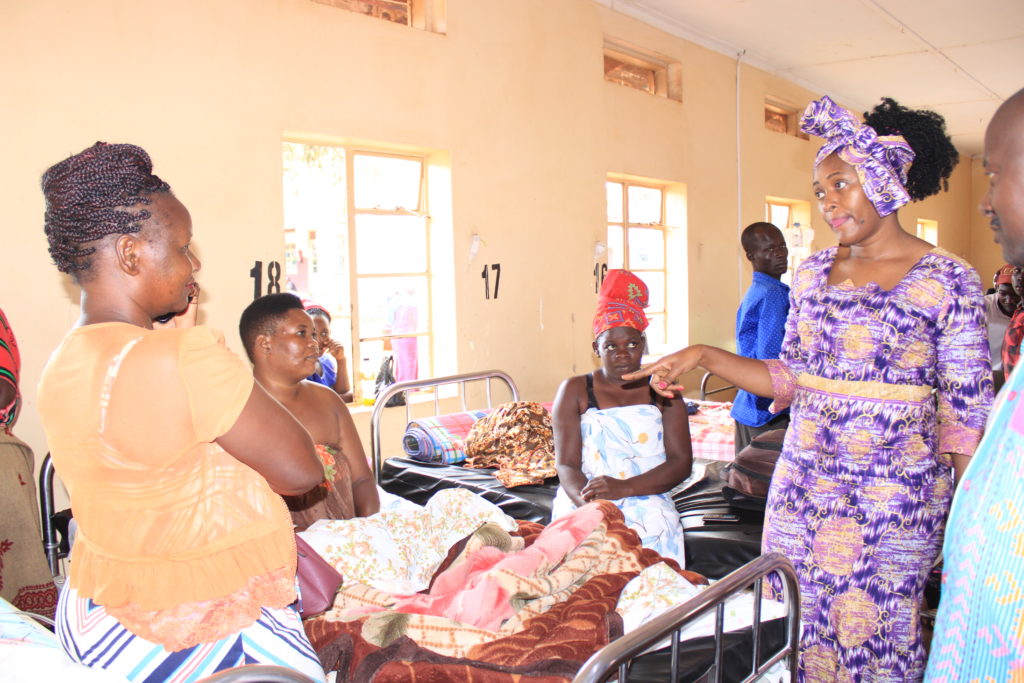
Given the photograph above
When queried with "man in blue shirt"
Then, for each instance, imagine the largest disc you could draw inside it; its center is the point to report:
(761, 324)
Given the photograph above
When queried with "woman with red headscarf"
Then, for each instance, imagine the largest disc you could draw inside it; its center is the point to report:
(618, 440)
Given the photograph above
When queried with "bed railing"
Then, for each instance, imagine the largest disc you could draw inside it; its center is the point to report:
(619, 653)
(411, 385)
(705, 392)
(51, 546)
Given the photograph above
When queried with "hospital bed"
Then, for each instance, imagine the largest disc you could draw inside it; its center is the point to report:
(726, 655)
(713, 548)
(625, 656)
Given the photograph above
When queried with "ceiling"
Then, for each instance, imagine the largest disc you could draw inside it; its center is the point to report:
(960, 58)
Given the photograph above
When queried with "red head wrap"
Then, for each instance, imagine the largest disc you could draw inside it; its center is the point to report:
(311, 307)
(1004, 276)
(621, 302)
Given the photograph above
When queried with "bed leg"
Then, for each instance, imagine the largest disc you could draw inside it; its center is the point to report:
(719, 641)
(757, 627)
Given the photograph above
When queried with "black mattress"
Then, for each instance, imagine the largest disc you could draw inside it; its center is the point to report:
(712, 548)
(419, 481)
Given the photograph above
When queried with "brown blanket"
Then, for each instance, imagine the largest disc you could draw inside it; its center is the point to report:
(25, 579)
(517, 439)
(542, 643)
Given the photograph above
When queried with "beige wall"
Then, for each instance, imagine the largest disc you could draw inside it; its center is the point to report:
(513, 93)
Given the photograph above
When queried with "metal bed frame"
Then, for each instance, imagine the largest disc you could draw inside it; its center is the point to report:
(618, 654)
(412, 385)
(51, 546)
(704, 392)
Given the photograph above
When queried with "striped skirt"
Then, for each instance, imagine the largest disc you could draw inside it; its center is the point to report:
(92, 637)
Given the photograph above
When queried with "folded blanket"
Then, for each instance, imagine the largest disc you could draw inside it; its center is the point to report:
(532, 606)
(517, 439)
(440, 438)
(399, 549)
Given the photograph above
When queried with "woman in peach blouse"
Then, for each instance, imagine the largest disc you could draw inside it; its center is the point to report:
(184, 562)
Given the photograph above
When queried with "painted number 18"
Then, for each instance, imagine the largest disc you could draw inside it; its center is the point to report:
(273, 278)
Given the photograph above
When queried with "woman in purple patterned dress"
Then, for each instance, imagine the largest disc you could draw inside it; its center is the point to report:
(885, 365)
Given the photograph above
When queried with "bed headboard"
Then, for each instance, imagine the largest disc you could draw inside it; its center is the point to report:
(402, 387)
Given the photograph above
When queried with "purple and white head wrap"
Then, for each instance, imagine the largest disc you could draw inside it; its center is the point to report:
(881, 161)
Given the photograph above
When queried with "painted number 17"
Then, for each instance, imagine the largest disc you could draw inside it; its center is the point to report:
(496, 267)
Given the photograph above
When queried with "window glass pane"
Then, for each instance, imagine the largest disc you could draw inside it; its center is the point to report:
(392, 305)
(776, 121)
(928, 230)
(423, 363)
(316, 248)
(656, 291)
(388, 10)
(614, 193)
(318, 268)
(655, 332)
(778, 214)
(411, 359)
(386, 182)
(615, 246)
(630, 75)
(372, 353)
(644, 204)
(646, 249)
(390, 244)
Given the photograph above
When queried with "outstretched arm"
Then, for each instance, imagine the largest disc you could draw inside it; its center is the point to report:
(565, 422)
(749, 374)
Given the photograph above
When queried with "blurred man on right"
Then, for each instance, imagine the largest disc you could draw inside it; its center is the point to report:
(979, 632)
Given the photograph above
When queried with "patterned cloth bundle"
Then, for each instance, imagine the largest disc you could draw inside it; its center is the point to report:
(516, 439)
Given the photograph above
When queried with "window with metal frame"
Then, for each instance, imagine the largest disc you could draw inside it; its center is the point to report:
(641, 69)
(928, 230)
(428, 15)
(637, 242)
(792, 217)
(780, 117)
(357, 236)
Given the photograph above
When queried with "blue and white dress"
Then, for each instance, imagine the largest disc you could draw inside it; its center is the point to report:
(623, 442)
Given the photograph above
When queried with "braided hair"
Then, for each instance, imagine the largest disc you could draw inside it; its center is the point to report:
(90, 195)
(925, 131)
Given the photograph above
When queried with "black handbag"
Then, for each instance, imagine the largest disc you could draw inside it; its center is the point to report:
(385, 378)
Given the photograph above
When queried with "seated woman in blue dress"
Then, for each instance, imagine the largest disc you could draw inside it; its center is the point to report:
(618, 440)
(332, 368)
